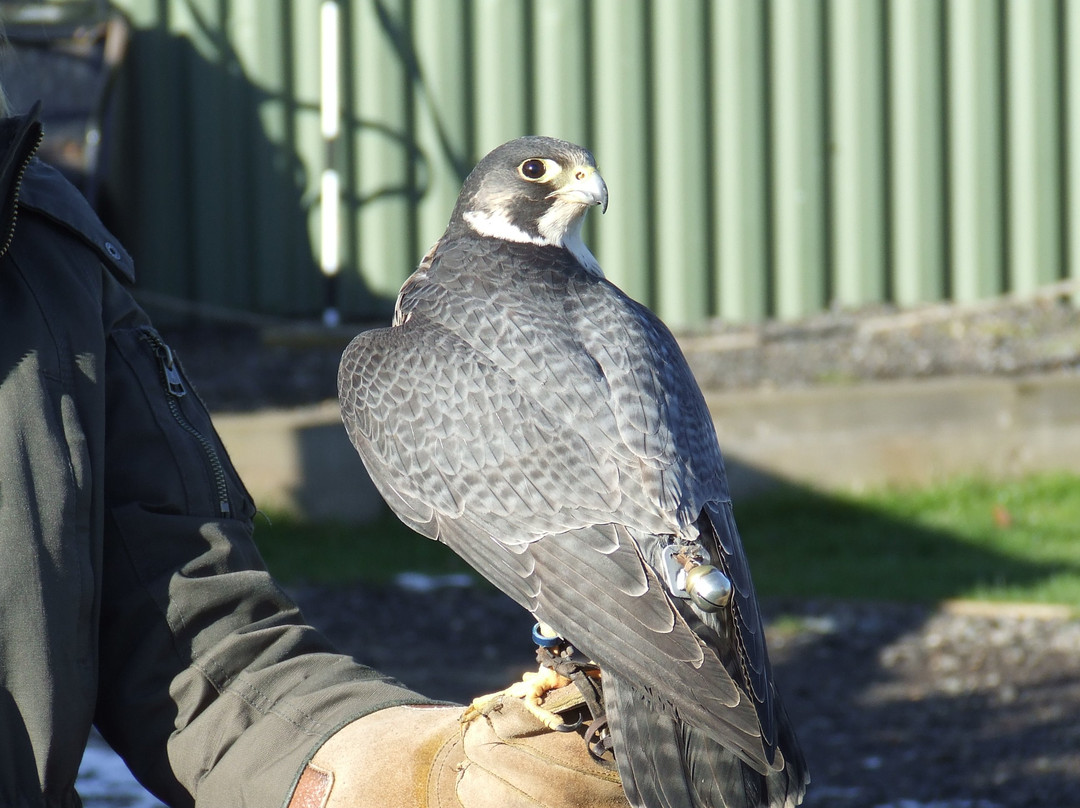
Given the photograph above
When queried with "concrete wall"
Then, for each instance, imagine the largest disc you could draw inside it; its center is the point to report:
(300, 461)
(902, 432)
(835, 437)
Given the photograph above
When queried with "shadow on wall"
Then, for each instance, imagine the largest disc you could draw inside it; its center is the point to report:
(206, 189)
(300, 461)
(333, 480)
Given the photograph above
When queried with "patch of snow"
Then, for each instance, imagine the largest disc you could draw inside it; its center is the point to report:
(941, 804)
(422, 582)
(105, 782)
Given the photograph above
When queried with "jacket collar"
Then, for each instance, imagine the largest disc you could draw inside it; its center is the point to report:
(28, 184)
(19, 139)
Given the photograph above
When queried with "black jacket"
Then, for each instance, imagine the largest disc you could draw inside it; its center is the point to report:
(131, 594)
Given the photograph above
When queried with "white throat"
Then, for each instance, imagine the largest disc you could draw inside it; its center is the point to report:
(556, 228)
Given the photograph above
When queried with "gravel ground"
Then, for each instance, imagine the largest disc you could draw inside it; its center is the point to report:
(898, 706)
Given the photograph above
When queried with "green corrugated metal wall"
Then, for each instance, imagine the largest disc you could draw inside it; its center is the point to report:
(764, 158)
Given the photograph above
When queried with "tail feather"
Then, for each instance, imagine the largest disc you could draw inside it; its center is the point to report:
(665, 763)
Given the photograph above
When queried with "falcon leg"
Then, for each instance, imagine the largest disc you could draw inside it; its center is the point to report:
(531, 691)
(533, 687)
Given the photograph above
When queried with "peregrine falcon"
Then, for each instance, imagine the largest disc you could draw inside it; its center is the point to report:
(527, 413)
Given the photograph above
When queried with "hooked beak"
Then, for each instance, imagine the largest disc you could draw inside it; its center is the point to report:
(586, 188)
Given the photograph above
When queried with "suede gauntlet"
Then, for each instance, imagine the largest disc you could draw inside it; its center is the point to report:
(427, 757)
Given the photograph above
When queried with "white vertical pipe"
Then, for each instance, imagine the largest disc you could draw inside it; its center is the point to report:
(330, 193)
(329, 60)
(330, 124)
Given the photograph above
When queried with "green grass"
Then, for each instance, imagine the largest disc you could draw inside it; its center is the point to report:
(1013, 540)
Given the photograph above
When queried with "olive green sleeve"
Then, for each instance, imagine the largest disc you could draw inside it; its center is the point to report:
(212, 687)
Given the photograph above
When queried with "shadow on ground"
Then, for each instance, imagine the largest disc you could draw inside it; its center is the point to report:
(897, 704)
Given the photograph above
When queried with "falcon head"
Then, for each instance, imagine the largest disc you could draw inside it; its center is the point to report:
(533, 190)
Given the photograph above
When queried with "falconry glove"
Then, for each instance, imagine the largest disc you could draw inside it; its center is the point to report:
(427, 756)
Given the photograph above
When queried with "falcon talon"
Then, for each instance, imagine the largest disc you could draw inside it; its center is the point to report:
(568, 727)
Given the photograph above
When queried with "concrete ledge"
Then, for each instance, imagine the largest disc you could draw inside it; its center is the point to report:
(901, 432)
(300, 461)
(832, 437)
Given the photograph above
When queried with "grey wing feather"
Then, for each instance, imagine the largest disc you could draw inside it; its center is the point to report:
(613, 608)
(667, 762)
(445, 432)
(748, 629)
(520, 439)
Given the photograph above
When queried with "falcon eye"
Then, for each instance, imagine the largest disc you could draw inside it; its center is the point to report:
(535, 169)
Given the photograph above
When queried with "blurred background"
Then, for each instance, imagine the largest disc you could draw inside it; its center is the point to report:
(860, 216)
(765, 159)
(810, 192)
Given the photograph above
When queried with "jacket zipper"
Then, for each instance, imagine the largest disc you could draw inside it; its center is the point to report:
(10, 235)
(175, 389)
